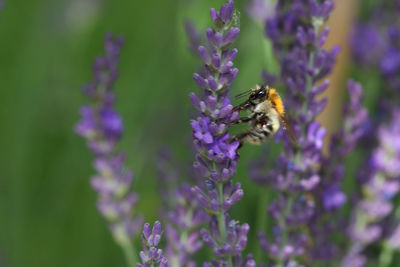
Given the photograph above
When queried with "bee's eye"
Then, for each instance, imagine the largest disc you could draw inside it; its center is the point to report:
(261, 93)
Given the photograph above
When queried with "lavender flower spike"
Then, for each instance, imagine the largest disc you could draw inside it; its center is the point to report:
(343, 142)
(151, 254)
(381, 185)
(297, 41)
(102, 128)
(182, 213)
(216, 157)
(329, 194)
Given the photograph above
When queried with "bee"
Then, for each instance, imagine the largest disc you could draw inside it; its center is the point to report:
(266, 115)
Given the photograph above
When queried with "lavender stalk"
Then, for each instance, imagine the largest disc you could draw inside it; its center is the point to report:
(391, 243)
(183, 214)
(151, 254)
(294, 31)
(102, 127)
(373, 219)
(216, 157)
(342, 143)
(328, 194)
(382, 184)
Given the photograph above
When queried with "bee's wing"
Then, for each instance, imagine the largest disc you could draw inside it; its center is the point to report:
(287, 126)
(243, 94)
(243, 105)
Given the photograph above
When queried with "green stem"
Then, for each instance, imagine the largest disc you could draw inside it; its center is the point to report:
(221, 220)
(309, 80)
(221, 215)
(271, 64)
(283, 226)
(230, 263)
(130, 253)
(386, 256)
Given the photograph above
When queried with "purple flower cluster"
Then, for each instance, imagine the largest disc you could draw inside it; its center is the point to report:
(194, 38)
(366, 44)
(183, 214)
(375, 46)
(101, 125)
(260, 10)
(216, 157)
(376, 43)
(373, 218)
(393, 241)
(102, 128)
(342, 143)
(326, 219)
(382, 184)
(183, 234)
(390, 62)
(294, 32)
(236, 240)
(151, 254)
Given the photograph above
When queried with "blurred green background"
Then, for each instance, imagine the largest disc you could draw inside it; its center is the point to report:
(48, 215)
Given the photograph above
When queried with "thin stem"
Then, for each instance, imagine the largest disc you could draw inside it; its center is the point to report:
(230, 263)
(309, 79)
(271, 64)
(221, 215)
(283, 226)
(385, 258)
(129, 252)
(221, 220)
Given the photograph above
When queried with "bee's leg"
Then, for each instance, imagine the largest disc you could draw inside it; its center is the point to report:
(252, 137)
(240, 120)
(243, 106)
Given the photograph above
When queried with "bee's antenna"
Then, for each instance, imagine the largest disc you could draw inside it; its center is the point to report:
(243, 94)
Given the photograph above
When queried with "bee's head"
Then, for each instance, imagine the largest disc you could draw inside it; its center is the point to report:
(260, 93)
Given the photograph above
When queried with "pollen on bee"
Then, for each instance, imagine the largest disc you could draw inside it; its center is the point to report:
(276, 101)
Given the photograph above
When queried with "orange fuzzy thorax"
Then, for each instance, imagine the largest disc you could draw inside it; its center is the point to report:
(276, 101)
